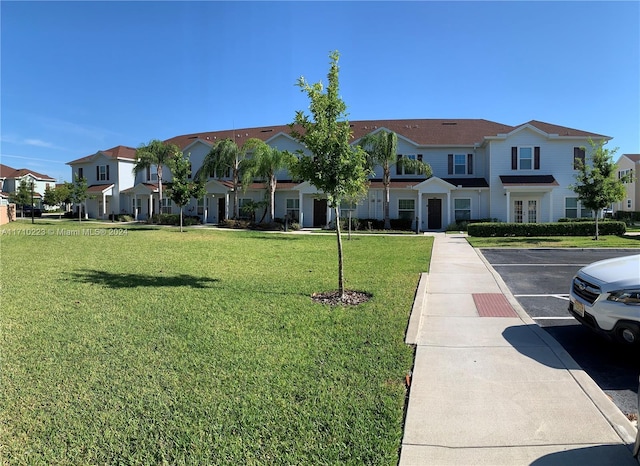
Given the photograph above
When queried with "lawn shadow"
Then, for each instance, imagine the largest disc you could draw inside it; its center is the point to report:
(133, 280)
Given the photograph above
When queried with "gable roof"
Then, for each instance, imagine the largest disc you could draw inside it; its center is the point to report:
(116, 153)
(633, 157)
(10, 172)
(562, 130)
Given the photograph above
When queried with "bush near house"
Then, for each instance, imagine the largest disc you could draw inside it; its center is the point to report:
(627, 217)
(462, 225)
(580, 228)
(174, 219)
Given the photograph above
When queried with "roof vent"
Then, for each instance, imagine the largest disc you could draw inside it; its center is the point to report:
(449, 123)
(266, 130)
(192, 137)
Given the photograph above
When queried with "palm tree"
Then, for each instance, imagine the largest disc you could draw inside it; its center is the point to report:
(382, 148)
(156, 153)
(265, 164)
(225, 155)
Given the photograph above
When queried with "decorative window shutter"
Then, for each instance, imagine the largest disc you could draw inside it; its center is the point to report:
(470, 164)
(536, 158)
(107, 172)
(450, 164)
(399, 165)
(97, 172)
(514, 158)
(148, 173)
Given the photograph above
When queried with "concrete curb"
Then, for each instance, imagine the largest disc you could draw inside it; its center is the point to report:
(419, 302)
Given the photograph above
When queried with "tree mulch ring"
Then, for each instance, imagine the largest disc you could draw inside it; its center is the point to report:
(350, 298)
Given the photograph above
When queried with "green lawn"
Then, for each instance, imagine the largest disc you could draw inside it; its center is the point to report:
(156, 347)
(610, 241)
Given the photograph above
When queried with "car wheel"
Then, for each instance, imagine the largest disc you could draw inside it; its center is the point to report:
(628, 334)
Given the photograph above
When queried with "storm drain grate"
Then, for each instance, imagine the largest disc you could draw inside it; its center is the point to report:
(493, 305)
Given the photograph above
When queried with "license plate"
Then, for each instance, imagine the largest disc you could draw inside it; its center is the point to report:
(578, 308)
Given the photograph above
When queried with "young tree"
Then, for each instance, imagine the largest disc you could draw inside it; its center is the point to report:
(50, 197)
(382, 149)
(334, 166)
(597, 184)
(225, 156)
(265, 164)
(63, 194)
(182, 188)
(22, 196)
(79, 193)
(155, 154)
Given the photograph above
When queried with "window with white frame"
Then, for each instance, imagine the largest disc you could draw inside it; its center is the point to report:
(166, 206)
(401, 169)
(525, 211)
(406, 209)
(460, 164)
(462, 209)
(293, 209)
(573, 208)
(245, 201)
(152, 173)
(525, 158)
(102, 172)
(200, 208)
(626, 173)
(346, 207)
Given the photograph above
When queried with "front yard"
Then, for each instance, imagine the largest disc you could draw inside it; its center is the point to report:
(148, 346)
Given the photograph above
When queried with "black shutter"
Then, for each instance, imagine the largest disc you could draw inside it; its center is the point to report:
(536, 158)
(514, 158)
(450, 164)
(399, 165)
(419, 157)
(97, 173)
(470, 164)
(148, 174)
(578, 154)
(107, 172)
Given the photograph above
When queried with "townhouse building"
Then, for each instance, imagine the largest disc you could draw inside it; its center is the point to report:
(480, 169)
(629, 164)
(10, 179)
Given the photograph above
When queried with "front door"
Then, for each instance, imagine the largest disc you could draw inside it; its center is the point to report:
(319, 212)
(221, 213)
(434, 214)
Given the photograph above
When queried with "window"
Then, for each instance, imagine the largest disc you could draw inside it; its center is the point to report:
(462, 209)
(102, 172)
(571, 207)
(346, 207)
(200, 209)
(525, 211)
(525, 158)
(629, 204)
(166, 206)
(574, 208)
(406, 209)
(401, 169)
(459, 164)
(80, 172)
(152, 173)
(243, 213)
(578, 157)
(136, 204)
(626, 173)
(293, 209)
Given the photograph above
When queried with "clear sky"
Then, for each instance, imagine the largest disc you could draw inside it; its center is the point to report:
(78, 77)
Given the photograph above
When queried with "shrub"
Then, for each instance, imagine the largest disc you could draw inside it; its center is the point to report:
(546, 229)
(235, 224)
(462, 225)
(627, 217)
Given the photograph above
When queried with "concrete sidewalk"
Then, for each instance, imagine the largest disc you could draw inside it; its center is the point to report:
(490, 387)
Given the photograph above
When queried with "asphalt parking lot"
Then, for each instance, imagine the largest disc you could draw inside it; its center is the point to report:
(540, 280)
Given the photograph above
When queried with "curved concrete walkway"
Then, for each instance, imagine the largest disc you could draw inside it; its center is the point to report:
(489, 387)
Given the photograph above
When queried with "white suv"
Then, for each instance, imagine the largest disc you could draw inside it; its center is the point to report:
(605, 296)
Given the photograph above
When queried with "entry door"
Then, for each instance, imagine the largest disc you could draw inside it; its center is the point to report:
(434, 214)
(319, 212)
(221, 213)
(525, 211)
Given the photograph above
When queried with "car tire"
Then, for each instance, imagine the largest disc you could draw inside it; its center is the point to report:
(628, 334)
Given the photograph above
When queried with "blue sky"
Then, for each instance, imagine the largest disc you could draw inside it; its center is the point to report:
(77, 77)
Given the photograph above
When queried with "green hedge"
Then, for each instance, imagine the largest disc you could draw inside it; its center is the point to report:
(627, 216)
(546, 229)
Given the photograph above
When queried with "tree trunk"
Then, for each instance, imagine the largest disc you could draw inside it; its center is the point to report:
(272, 197)
(387, 221)
(340, 262)
(596, 215)
(159, 172)
(180, 219)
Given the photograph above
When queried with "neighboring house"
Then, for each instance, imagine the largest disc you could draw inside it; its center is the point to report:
(629, 164)
(10, 179)
(108, 173)
(481, 169)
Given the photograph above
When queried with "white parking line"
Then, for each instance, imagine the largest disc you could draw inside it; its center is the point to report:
(564, 297)
(538, 265)
(554, 318)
